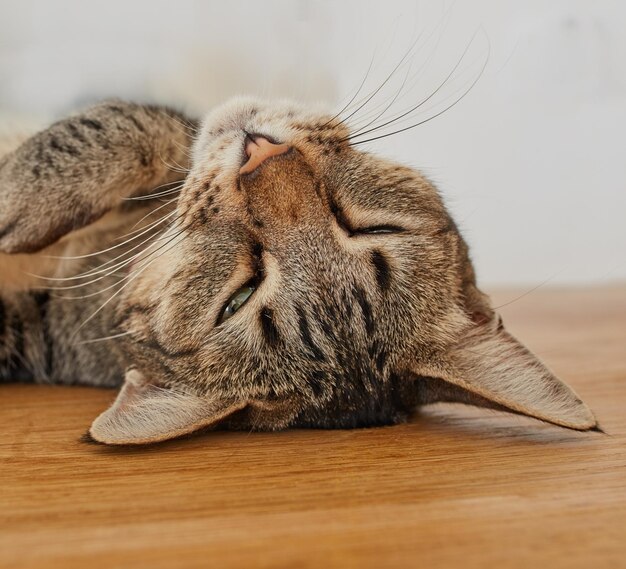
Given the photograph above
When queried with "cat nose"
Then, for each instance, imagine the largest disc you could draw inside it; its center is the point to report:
(258, 149)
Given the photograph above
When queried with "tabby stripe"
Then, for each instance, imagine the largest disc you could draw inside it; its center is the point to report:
(18, 338)
(305, 335)
(399, 181)
(77, 135)
(317, 381)
(347, 304)
(366, 309)
(270, 331)
(66, 149)
(91, 123)
(18, 367)
(381, 360)
(383, 272)
(139, 126)
(127, 116)
(448, 227)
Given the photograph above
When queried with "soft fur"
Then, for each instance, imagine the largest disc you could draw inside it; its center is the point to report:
(366, 305)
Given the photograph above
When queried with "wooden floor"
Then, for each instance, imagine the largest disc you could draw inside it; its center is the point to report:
(455, 488)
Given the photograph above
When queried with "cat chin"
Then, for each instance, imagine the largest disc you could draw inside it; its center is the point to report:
(249, 114)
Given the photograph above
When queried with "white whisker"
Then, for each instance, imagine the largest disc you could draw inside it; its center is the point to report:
(104, 338)
(104, 267)
(101, 252)
(134, 276)
(111, 272)
(152, 195)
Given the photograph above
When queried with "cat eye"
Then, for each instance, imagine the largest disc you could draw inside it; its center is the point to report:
(236, 301)
(377, 229)
(345, 224)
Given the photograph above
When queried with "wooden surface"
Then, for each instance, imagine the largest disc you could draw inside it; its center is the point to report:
(455, 488)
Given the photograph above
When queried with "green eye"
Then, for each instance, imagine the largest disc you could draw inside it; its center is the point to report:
(236, 301)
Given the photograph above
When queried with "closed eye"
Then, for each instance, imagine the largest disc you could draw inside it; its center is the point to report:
(348, 227)
(345, 224)
(377, 229)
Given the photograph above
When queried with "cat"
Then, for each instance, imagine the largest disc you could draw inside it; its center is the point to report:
(254, 270)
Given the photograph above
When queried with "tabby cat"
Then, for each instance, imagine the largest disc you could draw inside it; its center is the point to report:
(256, 270)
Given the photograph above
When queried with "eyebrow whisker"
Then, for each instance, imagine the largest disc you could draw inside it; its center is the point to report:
(395, 119)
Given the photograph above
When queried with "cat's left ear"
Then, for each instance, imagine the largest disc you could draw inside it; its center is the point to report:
(488, 367)
(145, 413)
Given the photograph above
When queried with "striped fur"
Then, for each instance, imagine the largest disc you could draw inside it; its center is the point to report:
(365, 303)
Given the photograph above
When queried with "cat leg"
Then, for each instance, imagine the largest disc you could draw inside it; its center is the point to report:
(62, 193)
(75, 176)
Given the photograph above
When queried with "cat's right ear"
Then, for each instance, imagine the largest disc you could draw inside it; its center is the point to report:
(72, 173)
(145, 413)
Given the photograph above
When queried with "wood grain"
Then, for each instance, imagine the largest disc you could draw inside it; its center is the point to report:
(456, 487)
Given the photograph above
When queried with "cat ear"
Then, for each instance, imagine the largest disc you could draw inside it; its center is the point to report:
(490, 368)
(145, 413)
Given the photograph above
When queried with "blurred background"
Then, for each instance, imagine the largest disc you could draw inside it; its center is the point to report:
(531, 160)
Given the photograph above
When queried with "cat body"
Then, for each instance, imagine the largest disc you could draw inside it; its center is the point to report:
(256, 270)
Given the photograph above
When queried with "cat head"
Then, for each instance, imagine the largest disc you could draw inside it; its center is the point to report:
(305, 282)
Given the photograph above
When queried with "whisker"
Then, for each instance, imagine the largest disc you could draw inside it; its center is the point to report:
(425, 120)
(153, 223)
(387, 79)
(157, 236)
(413, 79)
(347, 105)
(428, 109)
(101, 252)
(109, 270)
(183, 149)
(178, 168)
(157, 194)
(533, 289)
(104, 338)
(152, 211)
(114, 295)
(146, 255)
(432, 94)
(180, 122)
(440, 25)
(389, 105)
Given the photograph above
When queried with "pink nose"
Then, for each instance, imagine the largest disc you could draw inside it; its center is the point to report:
(258, 150)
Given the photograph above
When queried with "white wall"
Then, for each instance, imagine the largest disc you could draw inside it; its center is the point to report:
(532, 161)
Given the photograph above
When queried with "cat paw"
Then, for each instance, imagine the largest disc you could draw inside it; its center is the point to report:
(29, 223)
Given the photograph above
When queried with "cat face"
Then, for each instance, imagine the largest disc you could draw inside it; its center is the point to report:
(323, 287)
